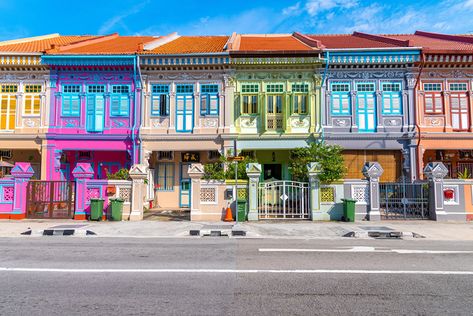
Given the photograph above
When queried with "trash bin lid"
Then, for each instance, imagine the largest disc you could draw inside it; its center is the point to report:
(349, 200)
(96, 199)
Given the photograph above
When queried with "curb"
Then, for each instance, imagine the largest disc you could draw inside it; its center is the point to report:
(382, 234)
(217, 233)
(59, 232)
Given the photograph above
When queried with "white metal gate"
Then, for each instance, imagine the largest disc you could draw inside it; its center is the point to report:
(283, 199)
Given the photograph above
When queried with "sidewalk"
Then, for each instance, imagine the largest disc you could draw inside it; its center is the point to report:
(263, 229)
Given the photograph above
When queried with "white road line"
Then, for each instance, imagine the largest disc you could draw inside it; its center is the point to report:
(231, 271)
(366, 249)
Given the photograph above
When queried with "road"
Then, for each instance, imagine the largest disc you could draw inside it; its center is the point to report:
(221, 276)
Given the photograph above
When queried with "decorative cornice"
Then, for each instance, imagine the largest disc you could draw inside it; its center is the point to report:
(358, 57)
(275, 60)
(70, 60)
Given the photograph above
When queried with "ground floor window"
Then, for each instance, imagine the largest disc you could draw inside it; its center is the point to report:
(165, 176)
(390, 160)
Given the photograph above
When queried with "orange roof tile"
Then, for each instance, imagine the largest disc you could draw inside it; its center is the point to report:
(271, 43)
(437, 42)
(112, 44)
(40, 45)
(341, 41)
(191, 45)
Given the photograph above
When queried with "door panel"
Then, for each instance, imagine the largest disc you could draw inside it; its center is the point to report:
(366, 112)
(184, 113)
(459, 112)
(184, 186)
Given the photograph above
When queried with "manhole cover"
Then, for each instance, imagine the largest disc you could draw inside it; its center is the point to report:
(217, 227)
(376, 228)
(67, 226)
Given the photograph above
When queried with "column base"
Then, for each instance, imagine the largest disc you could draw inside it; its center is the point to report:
(13, 216)
(320, 216)
(80, 216)
(374, 216)
(253, 216)
(136, 216)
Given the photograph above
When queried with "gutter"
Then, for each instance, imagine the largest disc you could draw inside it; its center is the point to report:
(322, 86)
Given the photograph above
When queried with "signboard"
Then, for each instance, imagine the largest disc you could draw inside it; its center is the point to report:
(236, 158)
(190, 157)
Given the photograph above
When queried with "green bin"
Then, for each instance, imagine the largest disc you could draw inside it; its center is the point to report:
(348, 210)
(96, 209)
(242, 210)
(116, 209)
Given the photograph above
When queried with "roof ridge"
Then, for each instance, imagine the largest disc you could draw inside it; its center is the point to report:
(161, 41)
(384, 39)
(448, 37)
(81, 43)
(312, 43)
(29, 39)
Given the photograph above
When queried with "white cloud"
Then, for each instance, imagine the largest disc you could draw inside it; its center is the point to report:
(315, 7)
(110, 24)
(294, 9)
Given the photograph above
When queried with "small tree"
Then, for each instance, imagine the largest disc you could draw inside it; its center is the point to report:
(224, 169)
(329, 156)
(121, 174)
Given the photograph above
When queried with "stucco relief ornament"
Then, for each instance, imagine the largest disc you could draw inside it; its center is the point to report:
(392, 122)
(339, 122)
(118, 123)
(435, 122)
(30, 123)
(210, 123)
(300, 122)
(248, 122)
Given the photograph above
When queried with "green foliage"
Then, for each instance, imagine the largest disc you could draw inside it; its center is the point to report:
(329, 156)
(121, 174)
(225, 170)
(464, 175)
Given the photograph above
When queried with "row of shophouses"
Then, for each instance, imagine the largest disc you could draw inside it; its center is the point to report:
(168, 101)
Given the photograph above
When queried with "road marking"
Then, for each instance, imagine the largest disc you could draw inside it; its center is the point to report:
(230, 271)
(367, 249)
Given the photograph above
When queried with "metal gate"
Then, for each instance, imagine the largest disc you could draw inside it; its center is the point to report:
(283, 199)
(399, 200)
(50, 199)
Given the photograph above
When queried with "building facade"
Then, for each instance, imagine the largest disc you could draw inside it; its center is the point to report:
(186, 111)
(276, 106)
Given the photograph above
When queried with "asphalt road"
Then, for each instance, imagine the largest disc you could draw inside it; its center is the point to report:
(221, 276)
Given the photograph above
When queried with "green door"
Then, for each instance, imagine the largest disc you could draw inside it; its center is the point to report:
(184, 187)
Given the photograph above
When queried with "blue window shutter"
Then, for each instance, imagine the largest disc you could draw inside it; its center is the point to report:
(213, 104)
(99, 113)
(115, 105)
(91, 113)
(124, 105)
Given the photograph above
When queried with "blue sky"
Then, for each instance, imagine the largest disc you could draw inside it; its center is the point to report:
(21, 18)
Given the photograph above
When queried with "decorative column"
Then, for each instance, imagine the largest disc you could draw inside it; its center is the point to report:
(435, 173)
(138, 174)
(314, 169)
(82, 173)
(21, 172)
(253, 171)
(373, 171)
(195, 172)
(354, 123)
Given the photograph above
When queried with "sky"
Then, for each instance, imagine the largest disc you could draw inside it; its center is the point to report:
(25, 18)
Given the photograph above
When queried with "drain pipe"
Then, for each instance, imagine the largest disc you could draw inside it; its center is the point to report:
(322, 103)
(416, 116)
(140, 142)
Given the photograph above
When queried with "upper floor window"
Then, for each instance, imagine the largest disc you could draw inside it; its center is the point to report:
(391, 98)
(32, 99)
(120, 100)
(432, 87)
(458, 87)
(300, 98)
(365, 87)
(340, 99)
(95, 108)
(433, 101)
(209, 99)
(185, 88)
(70, 100)
(275, 88)
(250, 99)
(160, 100)
(8, 107)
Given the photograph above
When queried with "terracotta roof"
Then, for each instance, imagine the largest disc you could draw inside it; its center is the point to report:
(355, 40)
(37, 45)
(274, 43)
(191, 45)
(432, 42)
(111, 44)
